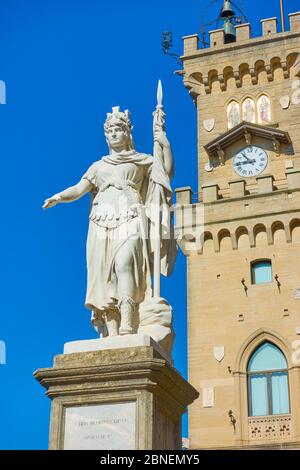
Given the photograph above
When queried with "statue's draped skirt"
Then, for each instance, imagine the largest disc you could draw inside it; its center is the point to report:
(103, 245)
(120, 189)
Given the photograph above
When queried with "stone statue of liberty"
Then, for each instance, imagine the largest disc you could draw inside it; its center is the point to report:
(120, 246)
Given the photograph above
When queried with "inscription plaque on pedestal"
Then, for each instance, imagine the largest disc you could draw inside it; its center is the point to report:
(113, 400)
(101, 427)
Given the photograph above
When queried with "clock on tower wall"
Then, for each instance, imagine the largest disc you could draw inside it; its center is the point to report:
(241, 123)
(247, 151)
(251, 161)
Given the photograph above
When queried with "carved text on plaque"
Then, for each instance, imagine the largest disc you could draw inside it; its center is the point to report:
(101, 427)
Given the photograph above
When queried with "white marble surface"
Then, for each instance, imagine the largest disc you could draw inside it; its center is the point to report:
(113, 342)
(122, 233)
(101, 427)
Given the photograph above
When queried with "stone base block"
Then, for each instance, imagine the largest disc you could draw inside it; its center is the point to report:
(114, 342)
(107, 399)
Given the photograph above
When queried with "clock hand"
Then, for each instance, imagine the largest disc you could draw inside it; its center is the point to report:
(245, 156)
(248, 159)
(244, 163)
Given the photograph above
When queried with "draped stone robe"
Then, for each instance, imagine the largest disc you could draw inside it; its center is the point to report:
(121, 216)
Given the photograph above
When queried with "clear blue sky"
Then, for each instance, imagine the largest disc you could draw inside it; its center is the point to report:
(66, 63)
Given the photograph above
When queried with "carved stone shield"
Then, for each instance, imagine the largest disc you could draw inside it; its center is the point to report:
(209, 124)
(285, 101)
(209, 167)
(219, 353)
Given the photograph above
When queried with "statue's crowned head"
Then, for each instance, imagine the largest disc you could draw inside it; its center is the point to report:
(119, 119)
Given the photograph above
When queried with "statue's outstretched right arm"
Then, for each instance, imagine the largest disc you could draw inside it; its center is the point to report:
(70, 194)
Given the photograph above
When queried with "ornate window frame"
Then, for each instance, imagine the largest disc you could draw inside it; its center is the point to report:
(261, 95)
(229, 102)
(268, 375)
(291, 421)
(240, 103)
(249, 97)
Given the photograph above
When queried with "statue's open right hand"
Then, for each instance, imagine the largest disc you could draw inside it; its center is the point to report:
(52, 201)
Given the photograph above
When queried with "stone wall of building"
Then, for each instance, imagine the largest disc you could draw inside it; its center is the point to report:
(245, 219)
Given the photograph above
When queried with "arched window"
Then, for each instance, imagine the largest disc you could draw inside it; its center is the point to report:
(261, 271)
(268, 389)
(264, 110)
(248, 108)
(233, 114)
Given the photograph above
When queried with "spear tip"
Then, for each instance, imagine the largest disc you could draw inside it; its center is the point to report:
(159, 94)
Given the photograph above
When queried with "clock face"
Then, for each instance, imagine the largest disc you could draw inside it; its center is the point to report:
(251, 161)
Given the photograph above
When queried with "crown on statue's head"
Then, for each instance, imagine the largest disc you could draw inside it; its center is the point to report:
(118, 117)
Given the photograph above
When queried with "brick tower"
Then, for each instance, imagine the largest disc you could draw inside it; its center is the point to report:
(244, 262)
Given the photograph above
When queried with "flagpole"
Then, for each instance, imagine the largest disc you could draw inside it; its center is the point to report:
(158, 125)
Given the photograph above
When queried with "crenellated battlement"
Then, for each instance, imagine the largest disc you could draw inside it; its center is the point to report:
(243, 35)
(211, 69)
(250, 70)
(238, 214)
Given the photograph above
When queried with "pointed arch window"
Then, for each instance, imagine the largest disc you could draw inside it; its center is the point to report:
(268, 388)
(233, 114)
(264, 110)
(248, 109)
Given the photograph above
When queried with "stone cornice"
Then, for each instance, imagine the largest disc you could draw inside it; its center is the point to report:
(83, 373)
(216, 148)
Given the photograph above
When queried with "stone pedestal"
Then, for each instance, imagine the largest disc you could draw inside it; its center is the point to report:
(129, 397)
